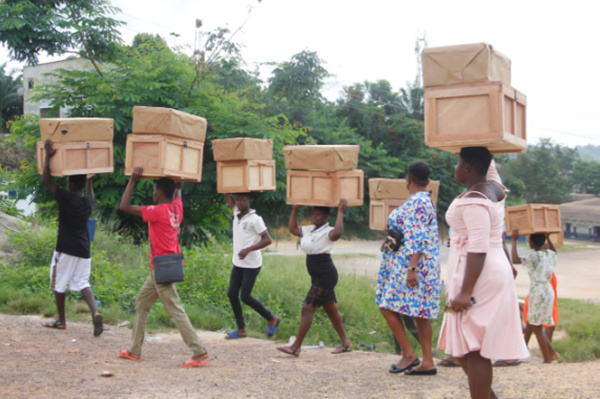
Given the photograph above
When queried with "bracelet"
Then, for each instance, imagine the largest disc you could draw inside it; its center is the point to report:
(412, 269)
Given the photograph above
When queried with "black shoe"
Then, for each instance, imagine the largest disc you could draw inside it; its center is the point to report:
(395, 369)
(432, 371)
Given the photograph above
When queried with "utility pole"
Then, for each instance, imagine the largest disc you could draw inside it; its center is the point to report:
(175, 36)
(420, 44)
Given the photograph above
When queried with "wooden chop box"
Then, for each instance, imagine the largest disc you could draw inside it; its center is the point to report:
(242, 149)
(246, 176)
(164, 156)
(170, 122)
(321, 157)
(475, 114)
(388, 194)
(70, 130)
(323, 188)
(78, 158)
(465, 63)
(533, 218)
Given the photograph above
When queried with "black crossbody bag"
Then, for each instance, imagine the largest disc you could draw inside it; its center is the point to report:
(167, 268)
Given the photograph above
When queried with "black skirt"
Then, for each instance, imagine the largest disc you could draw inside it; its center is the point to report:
(324, 277)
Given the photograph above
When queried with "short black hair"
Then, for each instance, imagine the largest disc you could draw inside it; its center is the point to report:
(166, 185)
(478, 157)
(77, 181)
(538, 239)
(323, 209)
(247, 195)
(419, 172)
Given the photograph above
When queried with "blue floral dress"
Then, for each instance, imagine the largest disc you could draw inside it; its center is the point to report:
(416, 218)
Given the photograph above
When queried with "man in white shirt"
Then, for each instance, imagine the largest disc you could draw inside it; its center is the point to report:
(250, 235)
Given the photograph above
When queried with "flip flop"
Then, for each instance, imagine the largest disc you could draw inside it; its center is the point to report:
(446, 362)
(271, 330)
(59, 325)
(507, 363)
(191, 362)
(234, 335)
(341, 349)
(124, 353)
(98, 326)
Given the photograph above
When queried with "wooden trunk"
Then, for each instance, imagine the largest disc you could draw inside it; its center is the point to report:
(533, 218)
(164, 156)
(384, 189)
(379, 211)
(78, 158)
(477, 114)
(321, 188)
(245, 176)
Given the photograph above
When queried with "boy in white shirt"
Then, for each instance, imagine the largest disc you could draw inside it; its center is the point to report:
(250, 235)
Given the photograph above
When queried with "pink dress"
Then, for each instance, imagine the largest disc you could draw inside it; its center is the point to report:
(492, 325)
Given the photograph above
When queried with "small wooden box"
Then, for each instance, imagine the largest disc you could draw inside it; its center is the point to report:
(321, 188)
(245, 176)
(78, 158)
(384, 189)
(533, 218)
(164, 156)
(379, 211)
(488, 114)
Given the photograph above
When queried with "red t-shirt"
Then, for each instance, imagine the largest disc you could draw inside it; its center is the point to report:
(163, 227)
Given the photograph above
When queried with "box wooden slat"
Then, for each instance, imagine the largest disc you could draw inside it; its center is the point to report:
(164, 156)
(242, 149)
(382, 189)
(78, 158)
(70, 130)
(168, 121)
(321, 157)
(322, 188)
(558, 239)
(476, 114)
(533, 218)
(245, 176)
(379, 212)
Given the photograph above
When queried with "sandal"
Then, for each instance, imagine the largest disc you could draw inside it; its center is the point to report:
(124, 353)
(59, 325)
(271, 330)
(341, 349)
(506, 363)
(191, 362)
(290, 350)
(98, 325)
(448, 362)
(234, 335)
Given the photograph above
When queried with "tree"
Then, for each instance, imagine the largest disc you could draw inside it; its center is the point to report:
(28, 27)
(11, 101)
(586, 176)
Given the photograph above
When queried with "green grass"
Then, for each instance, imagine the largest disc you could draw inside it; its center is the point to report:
(119, 268)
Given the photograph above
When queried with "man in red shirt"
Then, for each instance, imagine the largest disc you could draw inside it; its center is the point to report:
(163, 220)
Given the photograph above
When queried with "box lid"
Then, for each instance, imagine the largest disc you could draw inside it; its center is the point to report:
(242, 149)
(63, 130)
(321, 157)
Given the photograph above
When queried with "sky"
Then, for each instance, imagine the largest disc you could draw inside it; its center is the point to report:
(552, 44)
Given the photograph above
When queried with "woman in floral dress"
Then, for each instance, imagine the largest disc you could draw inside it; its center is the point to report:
(409, 280)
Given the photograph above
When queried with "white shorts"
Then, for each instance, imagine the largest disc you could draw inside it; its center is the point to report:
(66, 269)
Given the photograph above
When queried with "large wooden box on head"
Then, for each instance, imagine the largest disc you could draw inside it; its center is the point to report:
(465, 63)
(77, 158)
(246, 176)
(388, 194)
(323, 188)
(475, 114)
(242, 149)
(533, 218)
(70, 130)
(164, 156)
(321, 157)
(170, 122)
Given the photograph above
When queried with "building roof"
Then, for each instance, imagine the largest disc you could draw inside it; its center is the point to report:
(586, 211)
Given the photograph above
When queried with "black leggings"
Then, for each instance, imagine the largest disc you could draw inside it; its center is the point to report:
(243, 279)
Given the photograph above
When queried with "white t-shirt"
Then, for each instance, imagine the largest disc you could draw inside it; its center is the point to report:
(246, 232)
(315, 242)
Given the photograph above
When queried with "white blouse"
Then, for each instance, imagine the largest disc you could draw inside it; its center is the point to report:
(315, 242)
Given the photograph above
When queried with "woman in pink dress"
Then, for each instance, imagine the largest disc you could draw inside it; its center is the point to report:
(482, 314)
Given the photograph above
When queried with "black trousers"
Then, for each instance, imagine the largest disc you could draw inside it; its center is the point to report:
(243, 279)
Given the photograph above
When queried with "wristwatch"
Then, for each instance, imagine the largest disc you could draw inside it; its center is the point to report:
(412, 269)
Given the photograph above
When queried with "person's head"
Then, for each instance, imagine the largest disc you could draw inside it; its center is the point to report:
(164, 188)
(319, 215)
(76, 183)
(536, 241)
(472, 162)
(242, 201)
(418, 174)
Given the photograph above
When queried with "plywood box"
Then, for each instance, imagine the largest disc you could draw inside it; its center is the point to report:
(533, 218)
(382, 189)
(475, 114)
(321, 157)
(242, 149)
(78, 158)
(465, 63)
(379, 212)
(246, 176)
(164, 156)
(168, 121)
(322, 188)
(70, 130)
